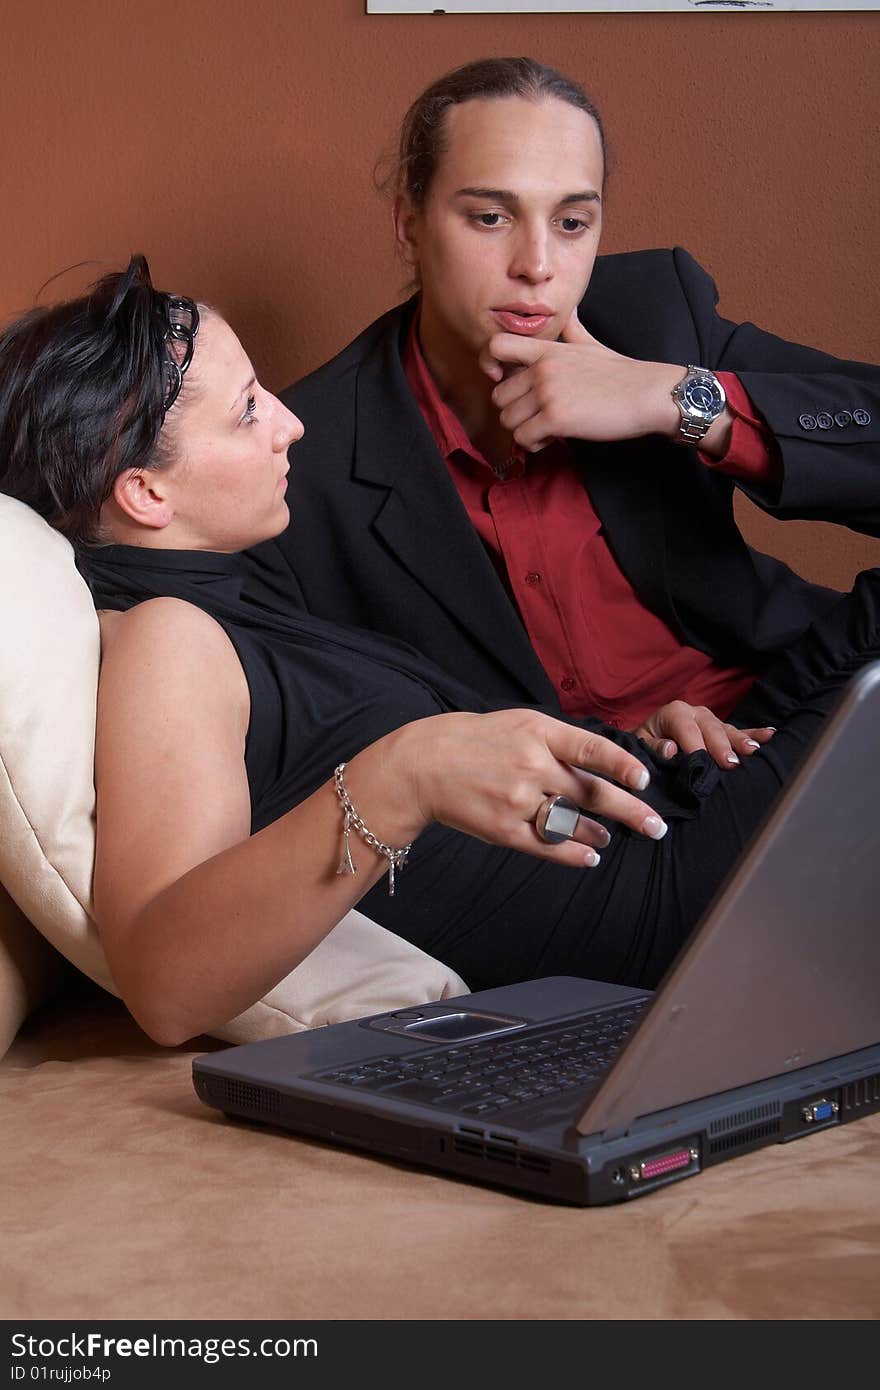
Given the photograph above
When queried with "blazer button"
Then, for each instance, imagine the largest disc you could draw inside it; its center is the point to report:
(807, 422)
(842, 418)
(824, 420)
(861, 417)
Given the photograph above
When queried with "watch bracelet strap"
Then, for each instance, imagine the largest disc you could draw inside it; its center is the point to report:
(692, 431)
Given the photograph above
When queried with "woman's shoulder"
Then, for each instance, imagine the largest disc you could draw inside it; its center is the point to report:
(163, 620)
(171, 643)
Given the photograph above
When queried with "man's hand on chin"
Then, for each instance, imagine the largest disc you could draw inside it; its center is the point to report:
(576, 388)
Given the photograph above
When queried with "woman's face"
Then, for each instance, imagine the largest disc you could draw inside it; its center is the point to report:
(226, 487)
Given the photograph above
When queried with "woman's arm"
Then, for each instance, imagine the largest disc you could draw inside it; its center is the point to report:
(199, 918)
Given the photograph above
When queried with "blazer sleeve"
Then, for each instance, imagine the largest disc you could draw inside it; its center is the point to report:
(824, 411)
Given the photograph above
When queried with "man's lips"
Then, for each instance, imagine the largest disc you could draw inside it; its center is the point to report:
(527, 319)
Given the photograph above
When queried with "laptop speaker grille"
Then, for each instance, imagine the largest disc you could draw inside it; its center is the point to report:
(745, 1117)
(860, 1095)
(256, 1100)
(743, 1138)
(504, 1153)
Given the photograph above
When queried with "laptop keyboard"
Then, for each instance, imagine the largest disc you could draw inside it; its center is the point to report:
(483, 1078)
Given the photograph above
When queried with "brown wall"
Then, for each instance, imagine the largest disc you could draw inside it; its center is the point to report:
(235, 143)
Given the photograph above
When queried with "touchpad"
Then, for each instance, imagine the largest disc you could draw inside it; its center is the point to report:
(457, 1026)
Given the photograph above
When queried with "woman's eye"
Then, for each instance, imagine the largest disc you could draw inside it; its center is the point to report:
(250, 413)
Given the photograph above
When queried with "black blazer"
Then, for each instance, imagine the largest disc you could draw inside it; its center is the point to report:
(379, 537)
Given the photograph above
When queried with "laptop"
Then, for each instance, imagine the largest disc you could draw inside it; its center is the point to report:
(765, 1029)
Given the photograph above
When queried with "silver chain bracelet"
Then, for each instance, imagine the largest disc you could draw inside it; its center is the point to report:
(352, 821)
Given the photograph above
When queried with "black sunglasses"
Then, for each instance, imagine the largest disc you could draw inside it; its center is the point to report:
(182, 318)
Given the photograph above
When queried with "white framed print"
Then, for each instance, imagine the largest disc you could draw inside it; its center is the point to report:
(608, 6)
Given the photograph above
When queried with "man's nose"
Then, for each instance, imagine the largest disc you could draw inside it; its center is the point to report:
(531, 256)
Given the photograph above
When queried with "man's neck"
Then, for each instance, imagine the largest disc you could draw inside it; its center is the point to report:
(466, 390)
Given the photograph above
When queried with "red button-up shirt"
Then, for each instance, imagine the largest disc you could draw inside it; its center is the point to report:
(604, 650)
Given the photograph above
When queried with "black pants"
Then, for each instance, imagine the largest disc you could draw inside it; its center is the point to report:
(498, 916)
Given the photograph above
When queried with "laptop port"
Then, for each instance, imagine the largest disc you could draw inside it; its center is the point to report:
(819, 1111)
(663, 1165)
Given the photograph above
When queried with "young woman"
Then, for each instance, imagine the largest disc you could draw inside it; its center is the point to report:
(260, 772)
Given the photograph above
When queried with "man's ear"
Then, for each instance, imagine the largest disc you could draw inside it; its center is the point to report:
(404, 219)
(141, 494)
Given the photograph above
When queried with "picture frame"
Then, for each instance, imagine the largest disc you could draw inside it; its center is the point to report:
(611, 6)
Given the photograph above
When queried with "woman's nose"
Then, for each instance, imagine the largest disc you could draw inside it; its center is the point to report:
(289, 428)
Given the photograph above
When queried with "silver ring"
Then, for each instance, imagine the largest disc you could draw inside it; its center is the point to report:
(557, 819)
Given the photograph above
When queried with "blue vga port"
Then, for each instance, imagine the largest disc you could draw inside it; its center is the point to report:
(818, 1112)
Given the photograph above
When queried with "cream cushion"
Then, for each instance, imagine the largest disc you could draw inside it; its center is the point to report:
(30, 969)
(49, 657)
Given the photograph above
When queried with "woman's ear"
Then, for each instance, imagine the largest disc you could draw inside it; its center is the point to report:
(404, 219)
(141, 494)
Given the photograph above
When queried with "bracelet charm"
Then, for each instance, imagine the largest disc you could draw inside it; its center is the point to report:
(351, 820)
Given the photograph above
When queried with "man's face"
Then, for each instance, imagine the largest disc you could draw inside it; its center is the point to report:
(508, 233)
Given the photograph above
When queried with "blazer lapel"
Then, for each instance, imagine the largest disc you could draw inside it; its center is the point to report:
(421, 519)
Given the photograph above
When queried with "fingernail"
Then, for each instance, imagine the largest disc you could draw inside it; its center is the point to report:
(770, 728)
(752, 743)
(732, 758)
(654, 827)
(638, 778)
(603, 836)
(591, 859)
(668, 749)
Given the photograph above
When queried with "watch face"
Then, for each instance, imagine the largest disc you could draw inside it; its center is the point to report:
(701, 396)
(704, 396)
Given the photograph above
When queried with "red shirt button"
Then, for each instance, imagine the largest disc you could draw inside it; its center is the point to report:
(568, 684)
(533, 577)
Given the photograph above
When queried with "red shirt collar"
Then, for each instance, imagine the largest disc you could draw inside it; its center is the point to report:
(449, 433)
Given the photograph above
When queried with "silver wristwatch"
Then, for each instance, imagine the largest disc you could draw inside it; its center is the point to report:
(700, 397)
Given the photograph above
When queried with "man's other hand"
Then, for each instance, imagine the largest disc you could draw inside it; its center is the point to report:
(680, 726)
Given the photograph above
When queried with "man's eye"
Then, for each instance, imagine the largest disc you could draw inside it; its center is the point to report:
(573, 224)
(488, 219)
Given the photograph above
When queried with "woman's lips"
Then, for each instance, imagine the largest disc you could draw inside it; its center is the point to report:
(514, 321)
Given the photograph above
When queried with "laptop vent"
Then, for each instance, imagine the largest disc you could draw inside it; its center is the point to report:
(743, 1138)
(506, 1154)
(860, 1095)
(745, 1117)
(256, 1100)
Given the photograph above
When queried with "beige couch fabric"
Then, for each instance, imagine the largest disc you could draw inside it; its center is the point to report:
(49, 659)
(30, 969)
(131, 1199)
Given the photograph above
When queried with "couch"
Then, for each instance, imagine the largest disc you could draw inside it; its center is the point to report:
(128, 1198)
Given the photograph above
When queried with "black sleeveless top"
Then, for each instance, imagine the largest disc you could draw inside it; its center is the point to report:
(321, 692)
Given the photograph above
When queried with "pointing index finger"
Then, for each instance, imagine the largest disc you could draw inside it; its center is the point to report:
(594, 753)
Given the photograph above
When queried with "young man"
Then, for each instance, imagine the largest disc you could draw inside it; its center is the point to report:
(527, 471)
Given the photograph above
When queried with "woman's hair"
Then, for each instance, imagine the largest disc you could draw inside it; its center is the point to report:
(422, 135)
(84, 387)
